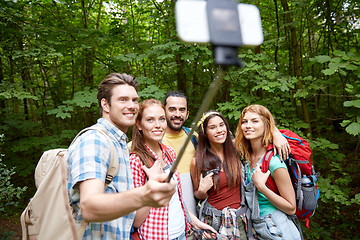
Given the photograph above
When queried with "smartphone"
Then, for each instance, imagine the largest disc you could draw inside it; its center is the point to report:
(192, 22)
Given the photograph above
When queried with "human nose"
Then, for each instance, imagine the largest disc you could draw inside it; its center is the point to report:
(248, 124)
(133, 105)
(157, 123)
(177, 113)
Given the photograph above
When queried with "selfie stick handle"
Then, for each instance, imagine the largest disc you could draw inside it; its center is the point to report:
(213, 88)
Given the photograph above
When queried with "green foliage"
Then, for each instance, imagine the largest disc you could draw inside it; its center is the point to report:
(346, 63)
(83, 100)
(149, 89)
(323, 144)
(53, 54)
(332, 192)
(353, 123)
(333, 184)
(15, 91)
(9, 194)
(356, 200)
(62, 111)
(342, 62)
(36, 146)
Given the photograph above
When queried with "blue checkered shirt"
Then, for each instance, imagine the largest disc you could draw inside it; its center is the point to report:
(89, 157)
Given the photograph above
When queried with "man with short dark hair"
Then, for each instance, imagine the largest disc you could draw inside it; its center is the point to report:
(176, 111)
(89, 159)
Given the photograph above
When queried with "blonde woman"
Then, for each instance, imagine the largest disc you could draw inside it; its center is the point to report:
(270, 211)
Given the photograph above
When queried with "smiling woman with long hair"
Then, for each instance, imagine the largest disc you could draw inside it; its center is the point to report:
(147, 151)
(270, 211)
(217, 176)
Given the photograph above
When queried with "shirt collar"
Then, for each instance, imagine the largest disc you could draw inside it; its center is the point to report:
(153, 153)
(176, 135)
(118, 134)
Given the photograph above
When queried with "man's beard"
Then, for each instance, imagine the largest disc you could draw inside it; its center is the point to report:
(175, 128)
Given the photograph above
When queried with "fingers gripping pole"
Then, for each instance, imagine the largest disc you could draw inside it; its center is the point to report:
(213, 88)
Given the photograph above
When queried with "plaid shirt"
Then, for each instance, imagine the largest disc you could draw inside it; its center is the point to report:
(229, 226)
(89, 157)
(155, 226)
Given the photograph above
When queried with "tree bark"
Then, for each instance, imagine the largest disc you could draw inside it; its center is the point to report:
(180, 74)
(88, 54)
(278, 35)
(294, 46)
(2, 102)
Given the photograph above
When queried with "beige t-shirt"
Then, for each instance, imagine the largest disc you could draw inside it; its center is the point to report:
(176, 141)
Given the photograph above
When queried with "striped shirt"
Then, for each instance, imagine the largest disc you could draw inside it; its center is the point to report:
(89, 158)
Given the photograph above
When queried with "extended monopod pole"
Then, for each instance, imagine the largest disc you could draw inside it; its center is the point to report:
(213, 88)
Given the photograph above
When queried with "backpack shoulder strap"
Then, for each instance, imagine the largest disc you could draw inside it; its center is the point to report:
(270, 183)
(114, 161)
(186, 129)
(265, 160)
(193, 137)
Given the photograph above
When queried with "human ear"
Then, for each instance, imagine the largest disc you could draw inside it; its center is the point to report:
(138, 125)
(187, 115)
(105, 105)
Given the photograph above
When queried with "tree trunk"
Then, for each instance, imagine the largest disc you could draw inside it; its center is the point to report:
(296, 60)
(278, 35)
(88, 54)
(89, 57)
(25, 75)
(180, 74)
(2, 102)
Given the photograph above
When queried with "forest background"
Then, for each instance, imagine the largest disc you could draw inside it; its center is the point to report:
(53, 54)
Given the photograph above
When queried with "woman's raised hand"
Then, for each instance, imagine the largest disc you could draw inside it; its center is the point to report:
(259, 178)
(206, 182)
(155, 170)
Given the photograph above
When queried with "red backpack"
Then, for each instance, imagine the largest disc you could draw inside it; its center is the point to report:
(299, 167)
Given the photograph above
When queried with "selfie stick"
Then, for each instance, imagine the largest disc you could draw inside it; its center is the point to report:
(213, 88)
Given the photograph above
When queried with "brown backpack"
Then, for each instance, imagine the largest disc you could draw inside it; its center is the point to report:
(49, 214)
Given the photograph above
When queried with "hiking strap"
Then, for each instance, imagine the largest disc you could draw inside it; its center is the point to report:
(193, 138)
(292, 138)
(27, 226)
(208, 210)
(297, 224)
(211, 211)
(270, 183)
(200, 232)
(267, 157)
(114, 161)
(113, 165)
(297, 173)
(256, 207)
(265, 162)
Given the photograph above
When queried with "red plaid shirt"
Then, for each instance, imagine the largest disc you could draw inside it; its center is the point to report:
(155, 226)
